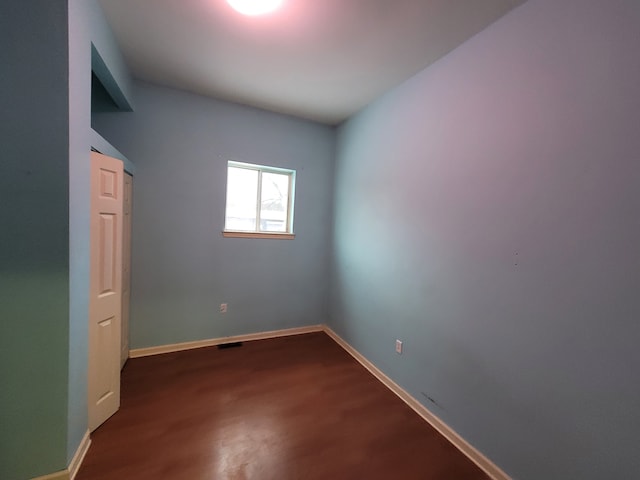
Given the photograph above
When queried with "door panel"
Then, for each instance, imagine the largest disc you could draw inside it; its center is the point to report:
(108, 252)
(104, 381)
(105, 302)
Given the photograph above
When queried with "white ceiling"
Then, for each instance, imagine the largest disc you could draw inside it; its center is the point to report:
(318, 59)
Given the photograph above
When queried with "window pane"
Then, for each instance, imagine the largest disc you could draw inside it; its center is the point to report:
(242, 196)
(274, 202)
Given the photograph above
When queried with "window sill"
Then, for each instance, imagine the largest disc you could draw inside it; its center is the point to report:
(278, 236)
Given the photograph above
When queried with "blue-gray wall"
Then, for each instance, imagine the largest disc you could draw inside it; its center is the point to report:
(107, 62)
(34, 238)
(487, 213)
(182, 266)
(99, 144)
(80, 31)
(88, 33)
(44, 243)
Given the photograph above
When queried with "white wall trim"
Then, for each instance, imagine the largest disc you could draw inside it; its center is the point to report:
(81, 452)
(71, 471)
(177, 347)
(460, 443)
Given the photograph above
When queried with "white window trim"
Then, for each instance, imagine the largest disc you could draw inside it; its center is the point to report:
(273, 235)
(289, 234)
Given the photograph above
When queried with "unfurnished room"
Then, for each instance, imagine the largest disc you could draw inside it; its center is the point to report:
(320, 239)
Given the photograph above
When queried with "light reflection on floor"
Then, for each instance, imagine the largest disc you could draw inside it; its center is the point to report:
(250, 445)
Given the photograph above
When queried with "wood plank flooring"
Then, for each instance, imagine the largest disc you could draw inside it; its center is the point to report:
(287, 408)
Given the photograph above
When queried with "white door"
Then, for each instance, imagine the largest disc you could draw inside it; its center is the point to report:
(105, 303)
(126, 266)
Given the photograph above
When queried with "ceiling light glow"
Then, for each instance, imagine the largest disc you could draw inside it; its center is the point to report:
(254, 7)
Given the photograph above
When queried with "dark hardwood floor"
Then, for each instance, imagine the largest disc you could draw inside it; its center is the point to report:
(287, 408)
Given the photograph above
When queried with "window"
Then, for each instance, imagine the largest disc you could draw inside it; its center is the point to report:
(259, 201)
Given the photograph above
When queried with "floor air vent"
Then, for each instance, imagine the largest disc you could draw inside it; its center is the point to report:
(229, 345)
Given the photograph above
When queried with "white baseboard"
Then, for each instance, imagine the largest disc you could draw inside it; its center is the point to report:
(460, 443)
(70, 472)
(177, 347)
(77, 459)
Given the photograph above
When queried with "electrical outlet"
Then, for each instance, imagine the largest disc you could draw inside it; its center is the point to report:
(399, 346)
(223, 308)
